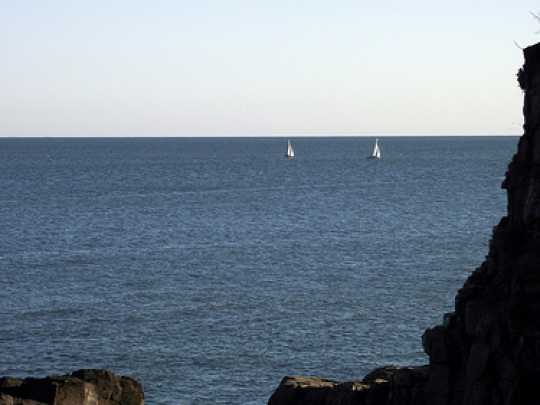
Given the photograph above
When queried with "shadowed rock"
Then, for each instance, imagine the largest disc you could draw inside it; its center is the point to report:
(83, 387)
(405, 385)
(487, 352)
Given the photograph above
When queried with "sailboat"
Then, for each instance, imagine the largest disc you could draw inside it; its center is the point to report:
(290, 150)
(376, 154)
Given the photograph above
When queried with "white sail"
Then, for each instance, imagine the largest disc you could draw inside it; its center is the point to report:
(376, 154)
(290, 150)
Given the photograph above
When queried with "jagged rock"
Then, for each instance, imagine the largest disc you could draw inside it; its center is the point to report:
(383, 386)
(83, 387)
(488, 351)
(317, 391)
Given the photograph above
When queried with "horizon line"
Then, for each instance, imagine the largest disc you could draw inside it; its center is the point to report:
(291, 135)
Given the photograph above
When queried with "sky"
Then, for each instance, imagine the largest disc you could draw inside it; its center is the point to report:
(262, 68)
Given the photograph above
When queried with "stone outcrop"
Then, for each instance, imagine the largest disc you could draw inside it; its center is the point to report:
(487, 352)
(83, 387)
(387, 385)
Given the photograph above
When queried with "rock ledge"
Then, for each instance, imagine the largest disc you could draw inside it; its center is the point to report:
(83, 387)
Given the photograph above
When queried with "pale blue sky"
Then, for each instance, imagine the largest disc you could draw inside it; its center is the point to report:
(234, 67)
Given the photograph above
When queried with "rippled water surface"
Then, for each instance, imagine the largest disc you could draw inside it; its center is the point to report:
(210, 268)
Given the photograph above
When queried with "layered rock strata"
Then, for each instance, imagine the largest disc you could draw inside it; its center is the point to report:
(487, 352)
(83, 387)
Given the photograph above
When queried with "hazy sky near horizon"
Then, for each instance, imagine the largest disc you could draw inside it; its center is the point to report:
(248, 67)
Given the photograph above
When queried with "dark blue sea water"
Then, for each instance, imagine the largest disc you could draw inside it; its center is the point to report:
(210, 268)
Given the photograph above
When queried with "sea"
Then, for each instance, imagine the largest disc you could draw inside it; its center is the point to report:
(210, 268)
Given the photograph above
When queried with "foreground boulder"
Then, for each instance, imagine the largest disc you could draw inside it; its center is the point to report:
(83, 387)
(487, 352)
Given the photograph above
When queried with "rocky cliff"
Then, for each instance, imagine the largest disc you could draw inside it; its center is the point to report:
(487, 352)
(83, 387)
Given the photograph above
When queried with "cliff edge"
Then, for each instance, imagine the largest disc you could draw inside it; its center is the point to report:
(486, 352)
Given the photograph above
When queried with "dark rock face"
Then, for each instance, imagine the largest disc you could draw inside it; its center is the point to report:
(487, 352)
(83, 387)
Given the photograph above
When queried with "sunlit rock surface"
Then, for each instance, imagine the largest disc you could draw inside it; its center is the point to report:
(83, 387)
